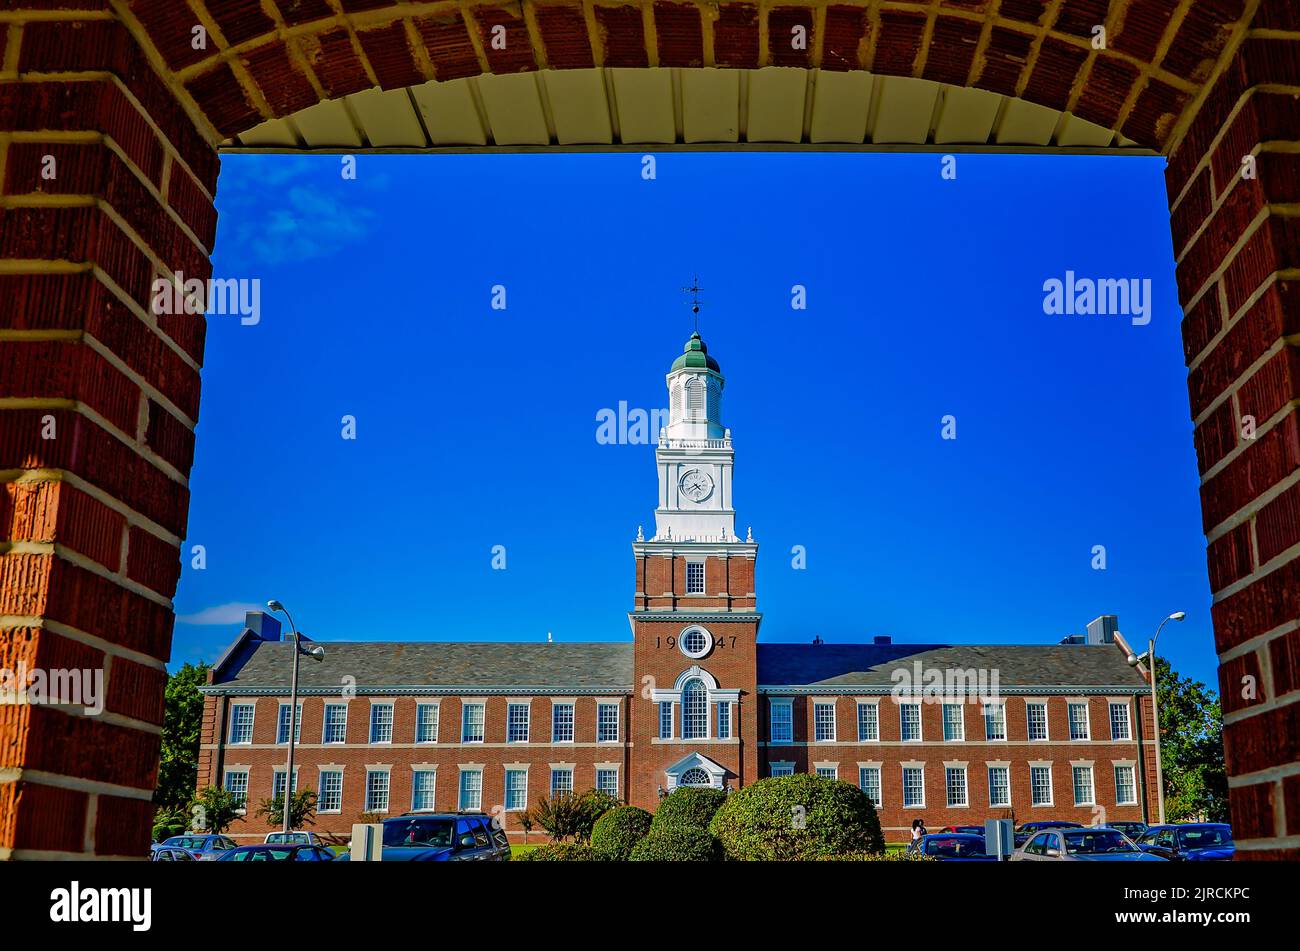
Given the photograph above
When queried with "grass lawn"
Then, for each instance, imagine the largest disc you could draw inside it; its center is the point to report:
(518, 850)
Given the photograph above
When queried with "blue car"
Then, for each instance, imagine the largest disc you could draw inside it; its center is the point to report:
(278, 853)
(1193, 842)
(951, 847)
(443, 837)
(205, 848)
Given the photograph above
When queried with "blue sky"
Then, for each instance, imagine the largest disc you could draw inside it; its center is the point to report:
(477, 427)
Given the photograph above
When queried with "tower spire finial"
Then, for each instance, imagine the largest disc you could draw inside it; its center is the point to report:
(694, 291)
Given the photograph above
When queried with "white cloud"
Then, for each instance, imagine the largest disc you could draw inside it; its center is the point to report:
(232, 613)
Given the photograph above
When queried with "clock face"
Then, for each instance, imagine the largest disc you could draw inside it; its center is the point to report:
(696, 485)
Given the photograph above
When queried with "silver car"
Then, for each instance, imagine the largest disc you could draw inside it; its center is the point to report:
(1091, 844)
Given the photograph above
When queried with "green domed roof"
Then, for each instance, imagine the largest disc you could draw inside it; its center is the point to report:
(695, 354)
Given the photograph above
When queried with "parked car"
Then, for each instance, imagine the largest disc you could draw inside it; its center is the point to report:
(205, 848)
(965, 830)
(1192, 842)
(278, 853)
(443, 837)
(1079, 844)
(1028, 829)
(951, 847)
(167, 854)
(1134, 830)
(293, 838)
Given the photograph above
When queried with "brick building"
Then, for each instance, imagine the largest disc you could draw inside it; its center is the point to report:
(952, 733)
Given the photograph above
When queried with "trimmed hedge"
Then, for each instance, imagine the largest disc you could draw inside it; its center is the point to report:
(897, 856)
(676, 843)
(689, 806)
(800, 817)
(561, 852)
(618, 830)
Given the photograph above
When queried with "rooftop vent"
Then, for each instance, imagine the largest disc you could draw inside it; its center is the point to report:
(263, 625)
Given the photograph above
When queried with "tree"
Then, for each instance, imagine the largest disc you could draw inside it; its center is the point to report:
(182, 724)
(571, 816)
(1191, 748)
(213, 810)
(302, 810)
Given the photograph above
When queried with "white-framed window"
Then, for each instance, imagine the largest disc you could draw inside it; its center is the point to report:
(426, 723)
(1078, 716)
(724, 720)
(828, 772)
(1120, 727)
(695, 577)
(695, 709)
(910, 722)
(241, 723)
(695, 642)
(561, 781)
(1125, 785)
(1040, 785)
(335, 729)
(282, 726)
(824, 721)
(665, 720)
(695, 776)
(562, 723)
(277, 783)
(1083, 792)
(423, 784)
(868, 722)
(607, 723)
(782, 714)
(471, 790)
(780, 769)
(471, 724)
(607, 780)
(517, 723)
(331, 791)
(995, 721)
(381, 723)
(516, 790)
(1037, 719)
(869, 783)
(954, 722)
(955, 783)
(376, 790)
(235, 782)
(999, 786)
(913, 786)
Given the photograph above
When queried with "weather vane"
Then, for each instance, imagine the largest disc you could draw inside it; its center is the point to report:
(694, 291)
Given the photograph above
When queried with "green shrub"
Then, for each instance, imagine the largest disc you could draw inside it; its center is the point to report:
(790, 818)
(676, 843)
(689, 806)
(617, 831)
(895, 856)
(570, 817)
(561, 852)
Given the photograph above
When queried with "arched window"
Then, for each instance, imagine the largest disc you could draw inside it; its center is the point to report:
(695, 710)
(695, 777)
(676, 403)
(715, 400)
(695, 399)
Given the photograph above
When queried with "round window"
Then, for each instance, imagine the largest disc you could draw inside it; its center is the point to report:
(695, 642)
(695, 777)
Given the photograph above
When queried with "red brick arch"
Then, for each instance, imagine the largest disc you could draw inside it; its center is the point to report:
(133, 115)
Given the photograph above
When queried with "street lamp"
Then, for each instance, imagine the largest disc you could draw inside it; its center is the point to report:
(1150, 657)
(317, 652)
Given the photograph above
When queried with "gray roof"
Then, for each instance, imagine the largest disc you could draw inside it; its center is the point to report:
(433, 664)
(1018, 665)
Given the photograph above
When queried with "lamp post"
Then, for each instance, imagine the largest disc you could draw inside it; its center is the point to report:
(318, 653)
(1150, 658)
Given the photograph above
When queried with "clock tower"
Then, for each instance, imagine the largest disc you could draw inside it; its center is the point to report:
(695, 619)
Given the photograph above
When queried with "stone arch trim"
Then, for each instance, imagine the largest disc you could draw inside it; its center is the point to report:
(270, 59)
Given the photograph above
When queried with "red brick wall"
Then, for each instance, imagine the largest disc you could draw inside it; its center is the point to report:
(264, 756)
(100, 509)
(1237, 243)
(1017, 750)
